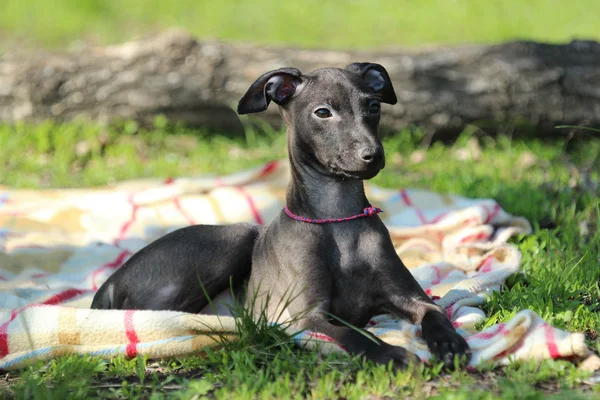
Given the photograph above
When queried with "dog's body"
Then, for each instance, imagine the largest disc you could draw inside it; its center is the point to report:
(319, 274)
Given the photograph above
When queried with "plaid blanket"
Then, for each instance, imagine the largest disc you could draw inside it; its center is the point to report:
(58, 246)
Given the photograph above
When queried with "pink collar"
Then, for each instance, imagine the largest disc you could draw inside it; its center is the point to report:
(367, 212)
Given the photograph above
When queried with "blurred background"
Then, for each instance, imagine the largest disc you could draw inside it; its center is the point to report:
(308, 23)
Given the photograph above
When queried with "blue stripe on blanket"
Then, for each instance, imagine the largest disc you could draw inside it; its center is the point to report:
(32, 354)
(109, 351)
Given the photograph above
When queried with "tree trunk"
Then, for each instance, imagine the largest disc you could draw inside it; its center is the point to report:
(199, 83)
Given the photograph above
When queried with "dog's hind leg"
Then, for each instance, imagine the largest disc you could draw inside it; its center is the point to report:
(103, 299)
(183, 270)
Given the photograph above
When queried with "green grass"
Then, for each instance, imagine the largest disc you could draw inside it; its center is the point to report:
(281, 374)
(554, 185)
(313, 23)
(77, 154)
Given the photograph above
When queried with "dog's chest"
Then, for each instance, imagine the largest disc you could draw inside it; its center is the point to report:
(358, 269)
(357, 250)
(355, 299)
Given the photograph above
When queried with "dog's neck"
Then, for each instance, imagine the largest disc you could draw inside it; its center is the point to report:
(312, 193)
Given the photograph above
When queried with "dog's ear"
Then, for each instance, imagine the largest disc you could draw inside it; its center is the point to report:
(278, 85)
(377, 78)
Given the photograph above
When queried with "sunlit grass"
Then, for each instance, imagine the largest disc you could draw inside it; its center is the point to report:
(553, 184)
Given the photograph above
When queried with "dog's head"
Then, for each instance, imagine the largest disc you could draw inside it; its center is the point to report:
(332, 115)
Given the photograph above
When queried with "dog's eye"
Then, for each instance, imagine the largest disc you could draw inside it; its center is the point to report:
(323, 113)
(374, 108)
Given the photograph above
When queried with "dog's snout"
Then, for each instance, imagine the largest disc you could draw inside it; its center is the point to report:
(368, 154)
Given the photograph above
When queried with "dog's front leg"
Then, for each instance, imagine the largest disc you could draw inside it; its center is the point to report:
(309, 309)
(406, 298)
(360, 342)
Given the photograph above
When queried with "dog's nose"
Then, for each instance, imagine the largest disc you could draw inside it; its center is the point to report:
(368, 154)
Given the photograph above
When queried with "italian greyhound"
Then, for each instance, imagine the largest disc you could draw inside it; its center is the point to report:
(327, 261)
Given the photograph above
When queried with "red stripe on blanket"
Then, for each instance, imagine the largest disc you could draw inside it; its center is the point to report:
(325, 338)
(500, 330)
(56, 299)
(450, 307)
(117, 262)
(131, 349)
(512, 350)
(551, 341)
(183, 212)
(4, 329)
(471, 238)
(491, 214)
(268, 168)
(421, 216)
(4, 335)
(438, 275)
(63, 296)
(127, 225)
(486, 264)
(252, 206)
(405, 198)
(408, 202)
(439, 217)
(431, 295)
(321, 336)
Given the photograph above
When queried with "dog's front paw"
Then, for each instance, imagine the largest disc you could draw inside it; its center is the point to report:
(386, 353)
(446, 344)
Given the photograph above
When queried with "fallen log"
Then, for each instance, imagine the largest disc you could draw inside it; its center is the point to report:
(442, 89)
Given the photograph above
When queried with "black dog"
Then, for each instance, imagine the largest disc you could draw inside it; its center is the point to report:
(305, 263)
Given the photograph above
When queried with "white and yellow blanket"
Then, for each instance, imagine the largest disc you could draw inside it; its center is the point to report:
(58, 246)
